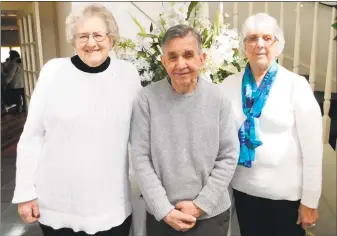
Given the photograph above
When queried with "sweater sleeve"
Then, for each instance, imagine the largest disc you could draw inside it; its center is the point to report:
(31, 140)
(149, 183)
(225, 163)
(309, 130)
(137, 87)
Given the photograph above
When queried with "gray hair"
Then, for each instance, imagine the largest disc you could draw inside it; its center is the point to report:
(265, 23)
(180, 31)
(90, 11)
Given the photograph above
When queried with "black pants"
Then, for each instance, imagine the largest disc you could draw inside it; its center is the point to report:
(18, 96)
(215, 226)
(265, 217)
(121, 230)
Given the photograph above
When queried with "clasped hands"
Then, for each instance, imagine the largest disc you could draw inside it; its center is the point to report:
(184, 216)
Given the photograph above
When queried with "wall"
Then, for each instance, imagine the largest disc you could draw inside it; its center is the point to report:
(123, 13)
(62, 11)
(48, 31)
(151, 9)
(25, 7)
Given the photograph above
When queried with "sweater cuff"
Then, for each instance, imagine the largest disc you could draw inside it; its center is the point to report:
(24, 193)
(203, 204)
(161, 208)
(310, 198)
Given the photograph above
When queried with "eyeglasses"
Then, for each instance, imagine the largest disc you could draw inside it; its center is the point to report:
(267, 39)
(97, 36)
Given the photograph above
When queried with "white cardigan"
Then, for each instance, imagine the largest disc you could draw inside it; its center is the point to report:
(288, 165)
(72, 154)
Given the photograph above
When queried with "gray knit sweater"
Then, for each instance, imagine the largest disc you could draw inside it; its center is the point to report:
(184, 147)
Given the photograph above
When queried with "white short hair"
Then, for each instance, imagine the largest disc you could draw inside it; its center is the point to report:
(262, 22)
(90, 11)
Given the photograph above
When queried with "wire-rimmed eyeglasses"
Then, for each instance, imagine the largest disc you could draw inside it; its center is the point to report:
(84, 37)
(266, 38)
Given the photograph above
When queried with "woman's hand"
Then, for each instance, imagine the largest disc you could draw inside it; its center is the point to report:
(307, 216)
(29, 211)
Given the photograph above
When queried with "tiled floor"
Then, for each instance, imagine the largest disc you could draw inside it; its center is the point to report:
(11, 224)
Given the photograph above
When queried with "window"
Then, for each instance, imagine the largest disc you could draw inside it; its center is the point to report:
(4, 53)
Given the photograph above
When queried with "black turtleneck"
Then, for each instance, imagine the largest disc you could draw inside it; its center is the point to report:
(79, 64)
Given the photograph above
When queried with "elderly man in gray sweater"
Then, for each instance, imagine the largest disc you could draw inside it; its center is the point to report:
(184, 143)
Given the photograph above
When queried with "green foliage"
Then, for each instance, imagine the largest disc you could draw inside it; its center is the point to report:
(142, 30)
(125, 44)
(154, 37)
(334, 25)
(191, 7)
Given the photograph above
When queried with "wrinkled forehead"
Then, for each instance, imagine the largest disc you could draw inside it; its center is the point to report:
(181, 45)
(260, 28)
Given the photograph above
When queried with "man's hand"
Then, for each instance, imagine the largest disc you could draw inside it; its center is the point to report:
(180, 221)
(188, 207)
(29, 211)
(307, 216)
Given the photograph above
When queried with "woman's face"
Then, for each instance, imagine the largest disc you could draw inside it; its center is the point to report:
(261, 49)
(92, 42)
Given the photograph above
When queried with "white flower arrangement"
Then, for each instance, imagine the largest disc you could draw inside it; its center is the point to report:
(219, 42)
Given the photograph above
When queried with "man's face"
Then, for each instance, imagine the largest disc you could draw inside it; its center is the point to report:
(183, 61)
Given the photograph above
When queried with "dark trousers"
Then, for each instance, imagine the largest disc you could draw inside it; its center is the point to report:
(17, 96)
(121, 230)
(265, 217)
(20, 100)
(215, 226)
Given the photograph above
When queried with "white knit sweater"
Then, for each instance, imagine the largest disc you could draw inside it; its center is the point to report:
(72, 155)
(288, 166)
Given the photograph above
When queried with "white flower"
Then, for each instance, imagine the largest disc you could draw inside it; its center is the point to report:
(180, 9)
(230, 33)
(173, 15)
(220, 53)
(203, 10)
(199, 17)
(206, 76)
(213, 61)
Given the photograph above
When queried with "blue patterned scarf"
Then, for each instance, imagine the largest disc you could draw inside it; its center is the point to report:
(253, 100)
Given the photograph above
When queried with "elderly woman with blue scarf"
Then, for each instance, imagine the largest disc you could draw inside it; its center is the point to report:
(277, 184)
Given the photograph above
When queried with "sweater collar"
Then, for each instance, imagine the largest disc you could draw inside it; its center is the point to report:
(186, 94)
(169, 80)
(79, 64)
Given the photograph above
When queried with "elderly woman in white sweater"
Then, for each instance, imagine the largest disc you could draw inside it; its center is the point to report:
(277, 184)
(72, 169)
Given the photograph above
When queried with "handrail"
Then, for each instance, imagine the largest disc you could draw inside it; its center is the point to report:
(146, 15)
(328, 5)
